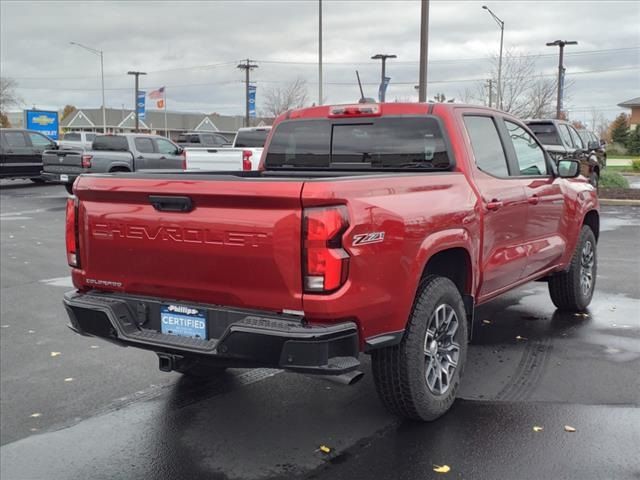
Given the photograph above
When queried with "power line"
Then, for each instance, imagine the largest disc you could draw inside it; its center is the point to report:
(228, 82)
(315, 63)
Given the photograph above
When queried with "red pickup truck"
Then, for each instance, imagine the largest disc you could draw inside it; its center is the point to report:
(369, 228)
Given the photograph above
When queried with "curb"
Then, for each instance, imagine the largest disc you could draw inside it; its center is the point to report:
(619, 202)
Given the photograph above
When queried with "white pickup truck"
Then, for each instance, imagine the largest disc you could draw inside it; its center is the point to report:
(76, 140)
(244, 154)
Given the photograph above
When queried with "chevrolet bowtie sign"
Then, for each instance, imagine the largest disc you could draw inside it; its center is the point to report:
(42, 121)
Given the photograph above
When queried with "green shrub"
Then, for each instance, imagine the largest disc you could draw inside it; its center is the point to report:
(635, 165)
(613, 180)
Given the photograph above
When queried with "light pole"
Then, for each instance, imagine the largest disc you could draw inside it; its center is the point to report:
(501, 25)
(98, 52)
(247, 66)
(561, 44)
(424, 50)
(383, 57)
(320, 101)
(135, 96)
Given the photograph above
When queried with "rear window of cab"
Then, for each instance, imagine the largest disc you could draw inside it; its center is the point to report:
(408, 142)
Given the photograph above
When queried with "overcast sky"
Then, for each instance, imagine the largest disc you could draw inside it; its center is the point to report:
(193, 48)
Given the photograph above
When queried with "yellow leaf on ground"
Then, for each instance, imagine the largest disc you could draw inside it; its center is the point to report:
(55, 354)
(520, 338)
(537, 428)
(487, 322)
(35, 415)
(325, 449)
(569, 428)
(441, 468)
(94, 346)
(68, 379)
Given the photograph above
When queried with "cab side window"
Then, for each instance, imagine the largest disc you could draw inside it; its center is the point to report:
(38, 140)
(487, 147)
(530, 156)
(144, 145)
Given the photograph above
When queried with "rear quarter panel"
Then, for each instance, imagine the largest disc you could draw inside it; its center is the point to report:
(420, 214)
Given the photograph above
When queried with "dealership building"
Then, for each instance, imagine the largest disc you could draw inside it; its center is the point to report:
(123, 121)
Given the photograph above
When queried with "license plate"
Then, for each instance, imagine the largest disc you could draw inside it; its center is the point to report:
(64, 178)
(183, 321)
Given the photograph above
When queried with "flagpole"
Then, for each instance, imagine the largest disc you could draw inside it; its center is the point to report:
(166, 130)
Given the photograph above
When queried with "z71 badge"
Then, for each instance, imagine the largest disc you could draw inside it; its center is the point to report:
(367, 238)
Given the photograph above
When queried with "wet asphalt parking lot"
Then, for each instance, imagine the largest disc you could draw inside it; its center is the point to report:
(78, 408)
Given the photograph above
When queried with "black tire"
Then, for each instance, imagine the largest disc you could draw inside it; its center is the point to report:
(38, 180)
(193, 368)
(400, 371)
(69, 188)
(566, 289)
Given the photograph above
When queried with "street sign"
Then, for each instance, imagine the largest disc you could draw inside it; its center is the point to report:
(45, 122)
(141, 103)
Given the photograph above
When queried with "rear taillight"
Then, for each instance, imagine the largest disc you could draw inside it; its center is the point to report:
(326, 263)
(86, 161)
(246, 159)
(183, 155)
(73, 254)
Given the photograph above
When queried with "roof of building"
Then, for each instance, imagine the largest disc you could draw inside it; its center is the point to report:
(155, 120)
(634, 102)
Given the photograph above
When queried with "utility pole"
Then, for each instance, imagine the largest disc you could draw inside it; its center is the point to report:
(101, 55)
(424, 50)
(135, 96)
(320, 101)
(501, 25)
(490, 85)
(247, 67)
(383, 57)
(561, 69)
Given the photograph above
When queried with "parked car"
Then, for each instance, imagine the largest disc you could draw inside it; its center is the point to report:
(595, 146)
(201, 139)
(77, 140)
(244, 154)
(21, 153)
(562, 140)
(113, 153)
(369, 229)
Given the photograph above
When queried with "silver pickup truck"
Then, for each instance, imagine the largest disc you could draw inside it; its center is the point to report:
(113, 153)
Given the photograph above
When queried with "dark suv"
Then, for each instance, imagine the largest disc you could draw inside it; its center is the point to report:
(562, 140)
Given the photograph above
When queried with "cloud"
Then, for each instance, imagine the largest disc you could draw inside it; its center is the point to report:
(168, 39)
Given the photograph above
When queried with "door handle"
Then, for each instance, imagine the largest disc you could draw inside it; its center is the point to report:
(533, 199)
(139, 157)
(494, 204)
(163, 158)
(171, 204)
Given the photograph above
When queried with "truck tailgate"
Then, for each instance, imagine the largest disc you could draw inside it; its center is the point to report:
(215, 159)
(54, 161)
(239, 245)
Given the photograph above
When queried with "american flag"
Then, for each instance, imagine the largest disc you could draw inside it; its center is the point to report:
(157, 94)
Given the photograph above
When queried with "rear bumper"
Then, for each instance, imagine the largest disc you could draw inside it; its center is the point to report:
(55, 177)
(242, 338)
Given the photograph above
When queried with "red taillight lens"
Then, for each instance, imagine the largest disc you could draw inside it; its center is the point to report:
(246, 159)
(86, 161)
(71, 231)
(326, 263)
(184, 160)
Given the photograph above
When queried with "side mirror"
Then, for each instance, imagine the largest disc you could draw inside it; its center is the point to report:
(568, 168)
(179, 151)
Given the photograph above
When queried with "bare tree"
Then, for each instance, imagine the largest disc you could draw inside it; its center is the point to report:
(525, 92)
(280, 99)
(8, 96)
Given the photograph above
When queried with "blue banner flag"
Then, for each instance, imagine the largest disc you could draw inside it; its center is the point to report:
(252, 101)
(382, 90)
(42, 121)
(141, 103)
